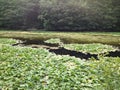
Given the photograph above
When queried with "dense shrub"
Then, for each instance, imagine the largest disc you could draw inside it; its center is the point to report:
(62, 15)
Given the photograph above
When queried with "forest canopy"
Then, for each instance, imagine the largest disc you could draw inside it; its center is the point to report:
(60, 15)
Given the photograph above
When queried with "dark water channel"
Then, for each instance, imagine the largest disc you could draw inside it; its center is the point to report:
(54, 48)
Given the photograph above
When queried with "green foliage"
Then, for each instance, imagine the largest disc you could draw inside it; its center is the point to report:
(35, 69)
(53, 41)
(18, 14)
(90, 48)
(7, 41)
(62, 15)
(75, 15)
(11, 14)
(108, 72)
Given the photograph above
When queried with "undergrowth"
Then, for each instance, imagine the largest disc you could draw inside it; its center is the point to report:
(25, 68)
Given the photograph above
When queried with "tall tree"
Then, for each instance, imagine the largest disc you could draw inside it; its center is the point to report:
(72, 15)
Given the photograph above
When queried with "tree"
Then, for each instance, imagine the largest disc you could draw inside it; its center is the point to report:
(80, 15)
(70, 15)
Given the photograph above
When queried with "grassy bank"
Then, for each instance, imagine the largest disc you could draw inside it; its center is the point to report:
(66, 37)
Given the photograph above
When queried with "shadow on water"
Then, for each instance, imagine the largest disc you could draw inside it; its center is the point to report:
(114, 54)
(62, 51)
